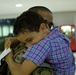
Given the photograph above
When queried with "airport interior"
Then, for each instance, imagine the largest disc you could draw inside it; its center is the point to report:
(64, 16)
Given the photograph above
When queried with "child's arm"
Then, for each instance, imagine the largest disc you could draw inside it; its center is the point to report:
(26, 68)
(20, 69)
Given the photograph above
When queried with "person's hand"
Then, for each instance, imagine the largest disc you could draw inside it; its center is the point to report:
(9, 41)
(8, 57)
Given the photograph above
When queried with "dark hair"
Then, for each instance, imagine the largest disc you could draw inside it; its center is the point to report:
(42, 8)
(37, 8)
(28, 21)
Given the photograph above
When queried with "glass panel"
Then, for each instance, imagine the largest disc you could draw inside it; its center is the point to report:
(5, 30)
(0, 32)
(11, 29)
(66, 30)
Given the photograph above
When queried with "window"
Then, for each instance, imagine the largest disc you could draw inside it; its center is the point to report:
(5, 30)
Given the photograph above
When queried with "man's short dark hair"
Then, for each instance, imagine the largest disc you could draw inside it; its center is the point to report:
(42, 8)
(28, 21)
(37, 8)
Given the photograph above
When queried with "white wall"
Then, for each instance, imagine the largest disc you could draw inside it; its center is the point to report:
(9, 16)
(75, 18)
(61, 18)
(75, 22)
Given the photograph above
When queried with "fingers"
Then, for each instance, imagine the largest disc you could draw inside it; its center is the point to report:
(8, 57)
(8, 42)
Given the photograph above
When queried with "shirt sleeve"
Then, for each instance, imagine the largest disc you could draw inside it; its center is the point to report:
(37, 53)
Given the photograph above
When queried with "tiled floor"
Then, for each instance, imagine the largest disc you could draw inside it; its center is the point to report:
(75, 58)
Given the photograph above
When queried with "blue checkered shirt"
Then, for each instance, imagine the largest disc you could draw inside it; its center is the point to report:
(55, 49)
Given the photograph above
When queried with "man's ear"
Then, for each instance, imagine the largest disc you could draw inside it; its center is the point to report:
(42, 27)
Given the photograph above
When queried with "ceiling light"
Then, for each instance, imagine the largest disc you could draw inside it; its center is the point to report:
(18, 5)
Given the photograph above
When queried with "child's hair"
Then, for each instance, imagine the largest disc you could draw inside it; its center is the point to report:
(28, 21)
(38, 8)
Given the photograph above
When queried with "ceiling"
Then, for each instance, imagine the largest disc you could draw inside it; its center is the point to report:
(7, 7)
